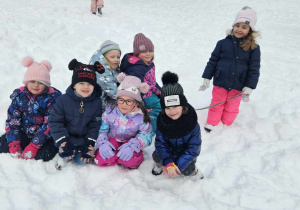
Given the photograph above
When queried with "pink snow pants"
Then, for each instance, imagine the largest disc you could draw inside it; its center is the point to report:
(226, 112)
(134, 162)
(96, 4)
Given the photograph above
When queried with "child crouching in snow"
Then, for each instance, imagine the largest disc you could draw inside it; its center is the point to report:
(27, 130)
(126, 127)
(76, 117)
(178, 138)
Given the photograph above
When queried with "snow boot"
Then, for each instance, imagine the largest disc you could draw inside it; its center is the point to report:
(99, 11)
(94, 13)
(157, 169)
(197, 175)
(208, 128)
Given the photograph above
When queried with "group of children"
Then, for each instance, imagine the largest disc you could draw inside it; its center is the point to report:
(111, 112)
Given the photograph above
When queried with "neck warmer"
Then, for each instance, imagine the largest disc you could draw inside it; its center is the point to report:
(179, 128)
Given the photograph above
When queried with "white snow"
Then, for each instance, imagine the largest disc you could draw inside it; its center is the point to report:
(253, 164)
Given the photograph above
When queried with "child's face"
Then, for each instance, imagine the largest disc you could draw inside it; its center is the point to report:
(126, 104)
(35, 87)
(146, 56)
(174, 112)
(113, 58)
(84, 89)
(241, 30)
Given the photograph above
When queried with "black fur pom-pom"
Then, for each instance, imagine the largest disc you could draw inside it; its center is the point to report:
(169, 78)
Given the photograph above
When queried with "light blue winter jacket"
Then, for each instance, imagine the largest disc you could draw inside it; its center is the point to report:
(107, 80)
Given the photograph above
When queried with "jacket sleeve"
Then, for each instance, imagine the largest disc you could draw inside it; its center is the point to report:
(163, 149)
(44, 129)
(13, 122)
(192, 151)
(144, 135)
(210, 68)
(254, 66)
(56, 122)
(104, 129)
(94, 124)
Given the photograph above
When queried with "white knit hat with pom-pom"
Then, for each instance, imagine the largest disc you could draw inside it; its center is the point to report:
(131, 86)
(37, 71)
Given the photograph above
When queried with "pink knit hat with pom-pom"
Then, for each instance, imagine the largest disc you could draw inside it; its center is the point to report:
(131, 86)
(37, 71)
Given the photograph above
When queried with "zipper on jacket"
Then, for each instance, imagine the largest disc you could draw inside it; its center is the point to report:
(81, 109)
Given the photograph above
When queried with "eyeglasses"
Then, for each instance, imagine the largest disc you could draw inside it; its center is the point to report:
(128, 102)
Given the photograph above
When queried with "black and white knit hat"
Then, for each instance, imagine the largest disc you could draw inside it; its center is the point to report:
(172, 92)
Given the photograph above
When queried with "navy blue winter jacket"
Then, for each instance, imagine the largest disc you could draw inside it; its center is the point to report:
(231, 66)
(66, 120)
(182, 150)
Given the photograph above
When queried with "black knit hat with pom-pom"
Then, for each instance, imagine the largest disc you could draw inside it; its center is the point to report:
(172, 92)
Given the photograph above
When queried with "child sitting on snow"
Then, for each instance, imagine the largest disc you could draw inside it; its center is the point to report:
(109, 56)
(27, 130)
(76, 116)
(125, 127)
(178, 137)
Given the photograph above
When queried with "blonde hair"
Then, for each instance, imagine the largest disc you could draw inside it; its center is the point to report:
(249, 41)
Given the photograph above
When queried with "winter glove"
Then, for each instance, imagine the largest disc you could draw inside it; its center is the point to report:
(30, 151)
(15, 149)
(126, 150)
(246, 93)
(105, 148)
(206, 83)
(66, 148)
(86, 152)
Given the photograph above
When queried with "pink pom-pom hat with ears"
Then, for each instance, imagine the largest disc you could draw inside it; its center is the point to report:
(37, 71)
(131, 86)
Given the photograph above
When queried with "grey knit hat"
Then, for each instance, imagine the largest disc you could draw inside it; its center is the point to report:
(109, 45)
(172, 92)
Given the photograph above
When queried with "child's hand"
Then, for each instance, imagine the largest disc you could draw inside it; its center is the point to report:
(86, 158)
(172, 170)
(206, 83)
(15, 149)
(149, 110)
(66, 150)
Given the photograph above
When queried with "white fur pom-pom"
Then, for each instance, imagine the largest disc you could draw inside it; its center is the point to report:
(121, 77)
(144, 87)
(47, 64)
(27, 61)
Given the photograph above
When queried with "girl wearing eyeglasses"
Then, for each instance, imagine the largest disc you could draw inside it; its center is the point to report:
(126, 126)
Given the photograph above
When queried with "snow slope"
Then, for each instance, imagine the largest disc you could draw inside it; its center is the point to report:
(252, 164)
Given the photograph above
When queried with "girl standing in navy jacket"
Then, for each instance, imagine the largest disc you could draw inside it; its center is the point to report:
(76, 117)
(234, 64)
(140, 64)
(178, 138)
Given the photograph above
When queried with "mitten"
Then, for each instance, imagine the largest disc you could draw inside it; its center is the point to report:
(206, 83)
(86, 153)
(15, 149)
(30, 151)
(66, 148)
(246, 93)
(126, 150)
(105, 149)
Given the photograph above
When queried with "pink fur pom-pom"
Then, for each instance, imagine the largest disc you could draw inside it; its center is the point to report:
(121, 77)
(27, 61)
(144, 87)
(47, 64)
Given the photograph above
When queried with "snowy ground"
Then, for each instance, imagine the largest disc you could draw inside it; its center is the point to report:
(253, 164)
